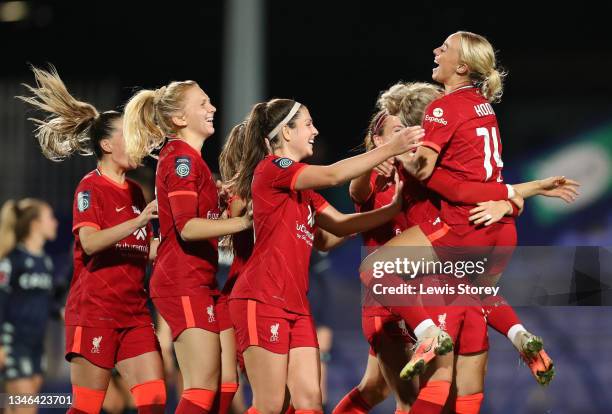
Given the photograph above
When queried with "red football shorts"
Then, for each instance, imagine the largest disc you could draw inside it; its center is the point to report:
(105, 347)
(390, 326)
(184, 312)
(270, 327)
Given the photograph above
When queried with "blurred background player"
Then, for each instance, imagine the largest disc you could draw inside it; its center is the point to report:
(26, 294)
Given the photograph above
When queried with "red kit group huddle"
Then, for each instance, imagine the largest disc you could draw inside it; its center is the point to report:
(430, 178)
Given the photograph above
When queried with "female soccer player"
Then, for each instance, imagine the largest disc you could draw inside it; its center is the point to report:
(26, 292)
(408, 101)
(183, 284)
(462, 124)
(107, 322)
(268, 304)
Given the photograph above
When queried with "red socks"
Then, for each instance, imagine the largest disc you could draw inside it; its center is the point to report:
(86, 400)
(150, 397)
(469, 404)
(223, 400)
(352, 403)
(195, 401)
(500, 315)
(432, 398)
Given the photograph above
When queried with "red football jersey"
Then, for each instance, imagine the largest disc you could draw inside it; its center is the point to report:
(107, 289)
(185, 189)
(284, 226)
(382, 193)
(462, 128)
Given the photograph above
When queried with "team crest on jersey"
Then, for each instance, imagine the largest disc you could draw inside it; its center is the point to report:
(283, 162)
(442, 321)
(274, 330)
(210, 310)
(182, 166)
(96, 345)
(83, 201)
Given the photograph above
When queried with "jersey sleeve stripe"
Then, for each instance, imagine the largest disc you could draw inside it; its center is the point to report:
(188, 311)
(180, 193)
(322, 207)
(86, 224)
(431, 145)
(295, 177)
(438, 233)
(252, 322)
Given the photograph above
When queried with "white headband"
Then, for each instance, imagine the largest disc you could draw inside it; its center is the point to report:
(277, 128)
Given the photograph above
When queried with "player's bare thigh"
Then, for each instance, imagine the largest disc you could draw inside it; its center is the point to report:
(373, 387)
(392, 357)
(199, 356)
(267, 376)
(470, 373)
(304, 378)
(229, 366)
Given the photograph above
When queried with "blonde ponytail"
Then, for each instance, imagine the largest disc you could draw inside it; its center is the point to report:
(65, 130)
(478, 54)
(142, 134)
(147, 118)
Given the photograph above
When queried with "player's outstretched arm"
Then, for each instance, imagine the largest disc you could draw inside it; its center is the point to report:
(341, 225)
(556, 186)
(322, 176)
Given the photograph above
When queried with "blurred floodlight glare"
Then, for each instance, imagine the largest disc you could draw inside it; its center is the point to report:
(13, 11)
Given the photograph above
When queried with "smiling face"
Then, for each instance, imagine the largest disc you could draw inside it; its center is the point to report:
(448, 60)
(197, 114)
(300, 138)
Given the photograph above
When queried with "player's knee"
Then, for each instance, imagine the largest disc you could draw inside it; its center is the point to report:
(308, 397)
(271, 405)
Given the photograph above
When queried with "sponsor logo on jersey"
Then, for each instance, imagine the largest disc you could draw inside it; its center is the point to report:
(210, 310)
(83, 200)
(438, 112)
(36, 281)
(436, 120)
(311, 216)
(274, 331)
(141, 233)
(182, 166)
(212, 215)
(484, 109)
(96, 345)
(118, 209)
(283, 162)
